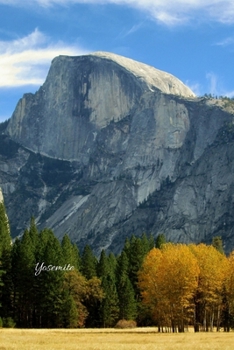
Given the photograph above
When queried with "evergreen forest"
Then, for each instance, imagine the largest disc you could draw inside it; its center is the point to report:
(45, 283)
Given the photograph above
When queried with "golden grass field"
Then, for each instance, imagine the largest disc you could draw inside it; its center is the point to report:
(111, 339)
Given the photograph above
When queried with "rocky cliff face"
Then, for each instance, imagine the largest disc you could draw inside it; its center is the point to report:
(110, 147)
(81, 96)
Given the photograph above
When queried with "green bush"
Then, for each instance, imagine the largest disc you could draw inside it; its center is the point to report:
(8, 322)
(0, 322)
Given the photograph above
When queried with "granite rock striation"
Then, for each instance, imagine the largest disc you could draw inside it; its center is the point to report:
(110, 147)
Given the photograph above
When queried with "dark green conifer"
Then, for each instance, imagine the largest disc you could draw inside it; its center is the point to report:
(112, 263)
(33, 233)
(145, 243)
(122, 267)
(127, 301)
(5, 262)
(23, 265)
(109, 308)
(76, 256)
(160, 240)
(50, 283)
(126, 295)
(102, 265)
(5, 238)
(69, 311)
(136, 255)
(151, 242)
(70, 252)
(217, 243)
(88, 263)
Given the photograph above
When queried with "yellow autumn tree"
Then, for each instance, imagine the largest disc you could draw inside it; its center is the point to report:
(228, 293)
(149, 284)
(180, 283)
(168, 282)
(208, 299)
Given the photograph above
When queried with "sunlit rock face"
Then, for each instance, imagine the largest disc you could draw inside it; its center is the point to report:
(109, 147)
(80, 96)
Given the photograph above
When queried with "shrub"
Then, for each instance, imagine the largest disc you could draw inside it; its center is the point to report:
(0, 322)
(8, 322)
(126, 324)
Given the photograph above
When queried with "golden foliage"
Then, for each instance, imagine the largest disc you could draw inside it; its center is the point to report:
(212, 266)
(168, 281)
(181, 284)
(229, 281)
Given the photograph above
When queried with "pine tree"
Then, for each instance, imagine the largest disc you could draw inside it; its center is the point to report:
(112, 263)
(109, 308)
(23, 265)
(69, 311)
(217, 243)
(136, 253)
(122, 267)
(88, 263)
(49, 283)
(33, 233)
(15, 273)
(76, 256)
(5, 261)
(5, 238)
(151, 242)
(160, 240)
(145, 243)
(70, 253)
(102, 265)
(127, 302)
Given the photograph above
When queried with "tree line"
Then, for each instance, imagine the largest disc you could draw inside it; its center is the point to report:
(48, 283)
(45, 283)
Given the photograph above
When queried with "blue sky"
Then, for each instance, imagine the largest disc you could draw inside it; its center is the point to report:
(191, 39)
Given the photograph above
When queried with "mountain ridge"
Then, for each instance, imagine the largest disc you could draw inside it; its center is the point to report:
(98, 156)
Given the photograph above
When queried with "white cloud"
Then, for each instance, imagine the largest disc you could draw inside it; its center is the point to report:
(25, 61)
(229, 94)
(170, 19)
(215, 86)
(223, 11)
(169, 12)
(226, 42)
(126, 32)
(134, 29)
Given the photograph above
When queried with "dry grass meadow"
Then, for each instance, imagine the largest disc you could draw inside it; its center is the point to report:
(111, 339)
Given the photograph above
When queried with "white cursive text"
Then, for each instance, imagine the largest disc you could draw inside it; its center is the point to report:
(39, 268)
